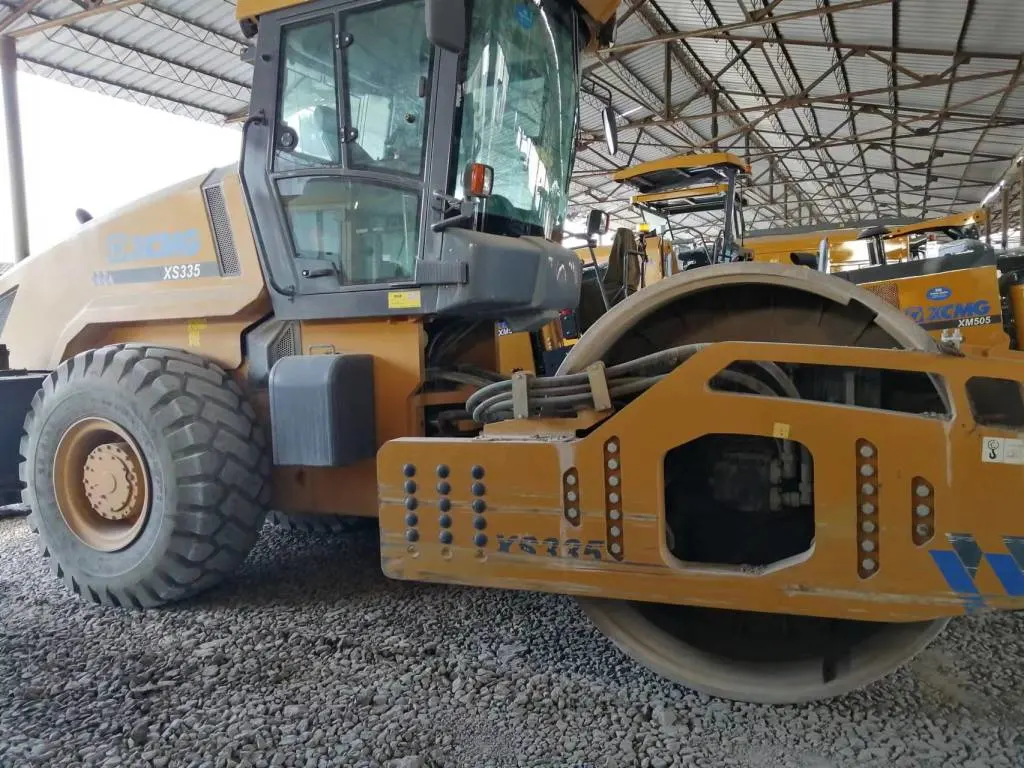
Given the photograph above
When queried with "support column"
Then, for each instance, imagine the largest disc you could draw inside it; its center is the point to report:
(15, 156)
(1020, 201)
(1006, 216)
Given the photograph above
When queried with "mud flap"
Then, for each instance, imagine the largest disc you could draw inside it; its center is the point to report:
(16, 392)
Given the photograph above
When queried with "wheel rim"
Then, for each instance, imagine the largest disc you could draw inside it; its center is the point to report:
(731, 653)
(101, 484)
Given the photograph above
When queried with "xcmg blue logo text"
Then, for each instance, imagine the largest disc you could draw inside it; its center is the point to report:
(159, 245)
(954, 311)
(938, 293)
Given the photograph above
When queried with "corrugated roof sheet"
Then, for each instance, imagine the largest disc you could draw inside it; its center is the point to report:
(825, 98)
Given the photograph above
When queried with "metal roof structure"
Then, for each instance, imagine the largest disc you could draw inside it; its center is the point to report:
(847, 110)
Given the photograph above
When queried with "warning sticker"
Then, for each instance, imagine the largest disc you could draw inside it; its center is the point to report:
(1002, 450)
(780, 430)
(195, 330)
(404, 300)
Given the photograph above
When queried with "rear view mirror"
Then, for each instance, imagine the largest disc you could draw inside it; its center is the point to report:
(597, 223)
(446, 24)
(611, 131)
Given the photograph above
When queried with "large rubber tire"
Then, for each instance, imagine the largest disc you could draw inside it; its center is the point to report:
(322, 524)
(750, 302)
(207, 463)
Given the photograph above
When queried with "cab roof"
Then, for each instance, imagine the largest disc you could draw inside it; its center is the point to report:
(600, 10)
(680, 171)
(953, 221)
(710, 197)
(250, 9)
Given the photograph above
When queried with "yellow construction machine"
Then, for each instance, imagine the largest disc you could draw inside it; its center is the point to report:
(851, 248)
(801, 247)
(919, 239)
(761, 481)
(670, 192)
(941, 275)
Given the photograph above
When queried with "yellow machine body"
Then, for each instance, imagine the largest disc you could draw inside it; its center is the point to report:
(150, 272)
(785, 248)
(967, 300)
(906, 515)
(519, 482)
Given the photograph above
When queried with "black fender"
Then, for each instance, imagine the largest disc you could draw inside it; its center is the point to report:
(17, 388)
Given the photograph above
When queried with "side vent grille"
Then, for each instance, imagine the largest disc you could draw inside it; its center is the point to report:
(886, 292)
(6, 303)
(285, 345)
(227, 255)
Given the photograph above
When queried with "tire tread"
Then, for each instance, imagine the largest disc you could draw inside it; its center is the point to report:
(222, 509)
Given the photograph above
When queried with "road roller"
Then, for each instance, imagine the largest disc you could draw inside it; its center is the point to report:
(761, 481)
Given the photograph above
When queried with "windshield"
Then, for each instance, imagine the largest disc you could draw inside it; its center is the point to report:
(519, 112)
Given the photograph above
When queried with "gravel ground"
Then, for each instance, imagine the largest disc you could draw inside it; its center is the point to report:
(310, 657)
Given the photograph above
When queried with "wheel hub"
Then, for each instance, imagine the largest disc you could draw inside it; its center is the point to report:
(101, 484)
(111, 481)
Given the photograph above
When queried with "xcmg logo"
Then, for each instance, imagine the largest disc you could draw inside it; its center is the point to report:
(953, 311)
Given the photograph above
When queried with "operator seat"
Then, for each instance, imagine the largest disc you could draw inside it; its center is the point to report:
(326, 121)
(619, 277)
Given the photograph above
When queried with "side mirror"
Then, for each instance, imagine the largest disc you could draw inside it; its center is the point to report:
(611, 130)
(446, 24)
(597, 223)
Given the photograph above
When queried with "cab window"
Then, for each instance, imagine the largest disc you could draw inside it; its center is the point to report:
(387, 65)
(349, 152)
(307, 129)
(367, 232)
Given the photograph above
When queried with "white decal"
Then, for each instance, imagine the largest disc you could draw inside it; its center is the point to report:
(183, 271)
(1002, 450)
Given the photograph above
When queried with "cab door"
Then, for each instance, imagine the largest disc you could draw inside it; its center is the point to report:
(339, 170)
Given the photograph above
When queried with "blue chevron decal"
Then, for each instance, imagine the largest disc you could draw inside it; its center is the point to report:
(959, 567)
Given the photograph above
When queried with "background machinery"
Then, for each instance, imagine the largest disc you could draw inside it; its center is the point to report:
(762, 481)
(942, 276)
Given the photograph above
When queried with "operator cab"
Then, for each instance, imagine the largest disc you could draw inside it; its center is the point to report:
(414, 158)
(679, 192)
(919, 240)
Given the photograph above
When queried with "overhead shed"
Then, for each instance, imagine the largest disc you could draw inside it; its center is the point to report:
(848, 110)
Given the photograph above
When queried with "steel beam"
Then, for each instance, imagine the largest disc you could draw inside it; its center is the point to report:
(856, 47)
(708, 32)
(18, 13)
(72, 18)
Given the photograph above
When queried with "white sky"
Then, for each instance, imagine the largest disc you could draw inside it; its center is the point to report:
(85, 150)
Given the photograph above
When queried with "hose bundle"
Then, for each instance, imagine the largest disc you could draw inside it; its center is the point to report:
(559, 395)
